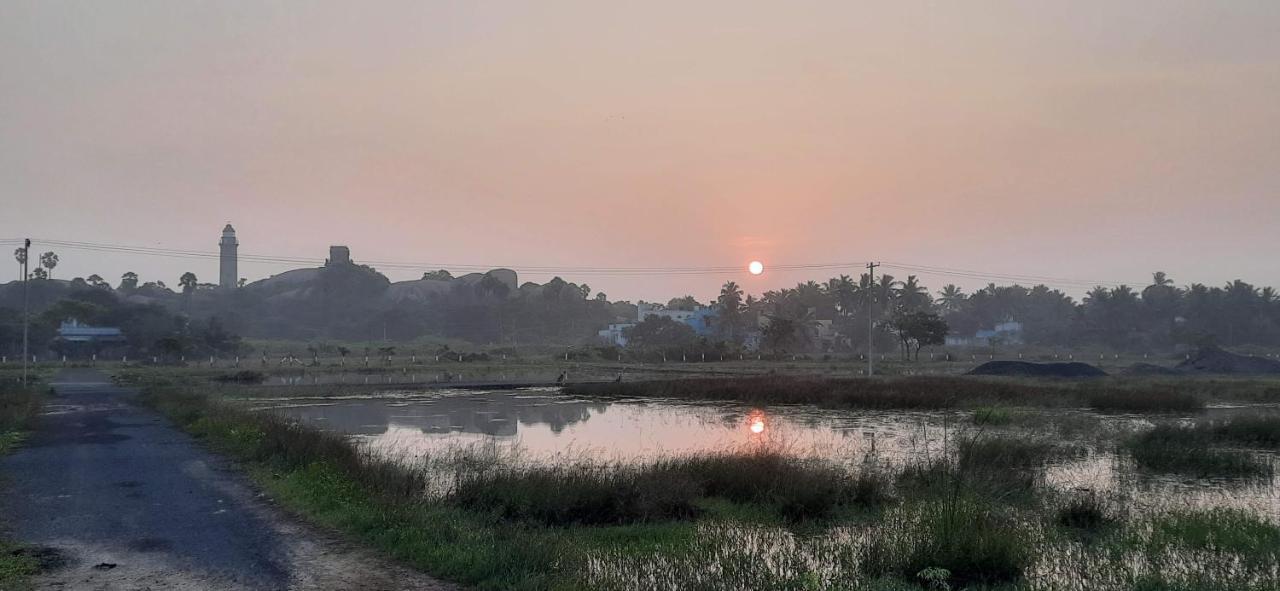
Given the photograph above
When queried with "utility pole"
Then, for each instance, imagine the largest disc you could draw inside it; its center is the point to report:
(26, 276)
(871, 319)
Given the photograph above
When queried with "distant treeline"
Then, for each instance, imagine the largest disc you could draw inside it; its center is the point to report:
(356, 303)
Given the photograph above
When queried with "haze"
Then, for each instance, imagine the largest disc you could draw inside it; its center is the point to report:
(1077, 140)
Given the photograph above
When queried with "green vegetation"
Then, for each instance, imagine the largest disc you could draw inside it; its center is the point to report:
(1188, 450)
(973, 541)
(1143, 398)
(990, 397)
(976, 515)
(1251, 430)
(993, 416)
(19, 406)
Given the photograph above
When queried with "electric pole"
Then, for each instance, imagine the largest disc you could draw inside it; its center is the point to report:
(26, 264)
(871, 318)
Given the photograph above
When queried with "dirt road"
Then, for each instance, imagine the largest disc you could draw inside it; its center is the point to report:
(127, 502)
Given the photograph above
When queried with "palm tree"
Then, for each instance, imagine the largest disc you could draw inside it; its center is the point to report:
(49, 260)
(20, 254)
(951, 297)
(730, 303)
(911, 295)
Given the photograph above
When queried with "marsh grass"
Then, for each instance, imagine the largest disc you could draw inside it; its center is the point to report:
(758, 520)
(990, 396)
(1188, 450)
(1142, 399)
(992, 416)
(973, 541)
(1219, 529)
(796, 489)
(1086, 513)
(1250, 430)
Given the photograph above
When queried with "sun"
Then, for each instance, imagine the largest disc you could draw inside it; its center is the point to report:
(756, 267)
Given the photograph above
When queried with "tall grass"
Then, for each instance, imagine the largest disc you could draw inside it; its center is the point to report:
(988, 395)
(963, 540)
(1188, 450)
(670, 488)
(879, 393)
(1138, 399)
(1250, 430)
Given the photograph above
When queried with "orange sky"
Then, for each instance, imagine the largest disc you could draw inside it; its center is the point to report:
(1077, 140)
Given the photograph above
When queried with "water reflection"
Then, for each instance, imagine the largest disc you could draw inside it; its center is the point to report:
(544, 424)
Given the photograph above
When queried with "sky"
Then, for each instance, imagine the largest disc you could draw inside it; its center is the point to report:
(1089, 141)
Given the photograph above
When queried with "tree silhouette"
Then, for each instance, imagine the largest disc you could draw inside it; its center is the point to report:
(49, 260)
(129, 280)
(20, 254)
(188, 281)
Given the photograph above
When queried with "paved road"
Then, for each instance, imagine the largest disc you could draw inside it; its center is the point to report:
(133, 503)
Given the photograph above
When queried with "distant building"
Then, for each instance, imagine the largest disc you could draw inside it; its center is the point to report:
(1005, 333)
(615, 334)
(228, 272)
(700, 319)
(72, 331)
(338, 255)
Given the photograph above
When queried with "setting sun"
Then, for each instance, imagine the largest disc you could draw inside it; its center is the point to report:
(756, 267)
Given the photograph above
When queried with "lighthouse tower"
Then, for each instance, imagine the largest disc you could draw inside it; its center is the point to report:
(228, 274)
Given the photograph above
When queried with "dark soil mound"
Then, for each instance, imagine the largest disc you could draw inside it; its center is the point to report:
(1215, 360)
(1042, 370)
(1150, 369)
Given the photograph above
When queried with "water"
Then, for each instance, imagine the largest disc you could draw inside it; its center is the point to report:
(545, 425)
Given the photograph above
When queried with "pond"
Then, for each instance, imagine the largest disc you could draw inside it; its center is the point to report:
(544, 425)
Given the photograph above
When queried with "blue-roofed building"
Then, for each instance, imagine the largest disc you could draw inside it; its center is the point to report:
(72, 331)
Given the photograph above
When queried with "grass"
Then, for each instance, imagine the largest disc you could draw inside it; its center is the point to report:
(1249, 430)
(1143, 398)
(879, 393)
(1188, 450)
(1220, 530)
(960, 542)
(990, 397)
(1087, 513)
(19, 407)
(731, 520)
(992, 416)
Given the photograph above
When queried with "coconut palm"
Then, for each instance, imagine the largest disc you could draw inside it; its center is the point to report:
(911, 295)
(951, 298)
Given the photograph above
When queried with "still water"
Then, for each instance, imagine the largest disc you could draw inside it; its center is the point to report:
(545, 425)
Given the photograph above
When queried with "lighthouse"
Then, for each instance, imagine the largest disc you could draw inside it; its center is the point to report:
(228, 274)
